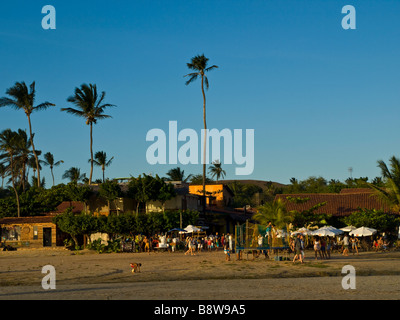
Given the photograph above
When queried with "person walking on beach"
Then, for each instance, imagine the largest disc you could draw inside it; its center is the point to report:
(191, 246)
(297, 249)
(346, 246)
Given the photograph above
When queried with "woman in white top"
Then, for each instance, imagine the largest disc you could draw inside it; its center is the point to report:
(317, 248)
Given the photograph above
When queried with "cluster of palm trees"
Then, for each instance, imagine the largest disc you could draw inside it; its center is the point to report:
(17, 149)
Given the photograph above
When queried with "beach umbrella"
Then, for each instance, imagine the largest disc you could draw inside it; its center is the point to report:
(303, 231)
(327, 231)
(177, 229)
(363, 232)
(348, 228)
(281, 233)
(191, 228)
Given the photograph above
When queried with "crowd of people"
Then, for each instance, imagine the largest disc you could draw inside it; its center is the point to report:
(193, 243)
(189, 243)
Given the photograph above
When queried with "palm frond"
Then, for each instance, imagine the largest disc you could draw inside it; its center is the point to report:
(44, 106)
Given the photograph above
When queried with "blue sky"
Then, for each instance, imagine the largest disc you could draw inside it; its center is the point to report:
(320, 98)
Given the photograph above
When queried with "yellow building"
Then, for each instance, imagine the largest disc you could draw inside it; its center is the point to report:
(218, 195)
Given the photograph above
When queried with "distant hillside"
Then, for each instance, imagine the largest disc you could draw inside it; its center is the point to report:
(260, 183)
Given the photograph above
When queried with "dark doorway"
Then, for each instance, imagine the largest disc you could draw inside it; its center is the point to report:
(46, 237)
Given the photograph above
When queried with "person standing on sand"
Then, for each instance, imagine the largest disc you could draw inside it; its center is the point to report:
(354, 244)
(323, 247)
(317, 248)
(328, 247)
(227, 253)
(302, 247)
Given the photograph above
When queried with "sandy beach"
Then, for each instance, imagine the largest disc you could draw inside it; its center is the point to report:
(205, 276)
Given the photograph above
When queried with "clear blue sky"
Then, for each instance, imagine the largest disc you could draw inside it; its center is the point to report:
(320, 98)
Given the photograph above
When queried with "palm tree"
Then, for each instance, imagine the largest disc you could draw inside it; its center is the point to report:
(8, 144)
(90, 107)
(275, 212)
(32, 164)
(216, 170)
(74, 175)
(23, 98)
(100, 160)
(49, 161)
(390, 193)
(199, 65)
(176, 174)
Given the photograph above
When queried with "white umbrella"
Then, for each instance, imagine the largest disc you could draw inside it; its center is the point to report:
(348, 228)
(363, 232)
(281, 233)
(191, 228)
(303, 231)
(327, 231)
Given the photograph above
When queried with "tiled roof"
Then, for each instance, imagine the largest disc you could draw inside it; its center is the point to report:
(78, 207)
(337, 204)
(356, 190)
(26, 220)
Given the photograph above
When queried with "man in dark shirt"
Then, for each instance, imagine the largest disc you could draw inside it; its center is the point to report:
(297, 249)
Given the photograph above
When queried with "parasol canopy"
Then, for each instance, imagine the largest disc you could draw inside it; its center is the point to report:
(348, 228)
(303, 231)
(177, 229)
(191, 228)
(327, 231)
(363, 232)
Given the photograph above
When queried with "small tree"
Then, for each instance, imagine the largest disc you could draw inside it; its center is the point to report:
(110, 191)
(166, 191)
(143, 189)
(376, 219)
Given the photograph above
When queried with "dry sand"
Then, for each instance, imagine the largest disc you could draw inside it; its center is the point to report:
(206, 276)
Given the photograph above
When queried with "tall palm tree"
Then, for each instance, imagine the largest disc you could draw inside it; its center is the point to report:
(100, 160)
(176, 174)
(90, 106)
(199, 65)
(23, 145)
(8, 144)
(216, 170)
(23, 98)
(74, 175)
(390, 193)
(49, 161)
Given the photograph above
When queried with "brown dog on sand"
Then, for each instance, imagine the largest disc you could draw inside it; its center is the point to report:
(135, 267)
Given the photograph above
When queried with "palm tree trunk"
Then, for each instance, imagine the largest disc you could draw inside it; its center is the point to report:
(91, 153)
(34, 151)
(103, 175)
(13, 184)
(51, 169)
(204, 146)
